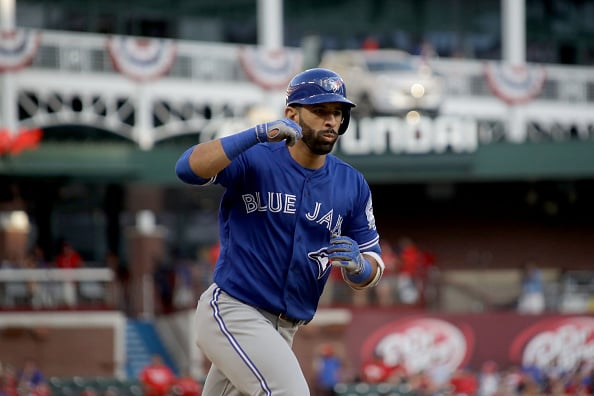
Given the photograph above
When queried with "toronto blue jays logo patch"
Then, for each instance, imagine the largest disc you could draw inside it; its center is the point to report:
(321, 259)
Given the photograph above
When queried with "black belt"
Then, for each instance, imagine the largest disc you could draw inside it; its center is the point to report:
(295, 322)
(283, 317)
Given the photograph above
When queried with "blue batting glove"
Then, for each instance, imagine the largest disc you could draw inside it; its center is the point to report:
(343, 252)
(275, 131)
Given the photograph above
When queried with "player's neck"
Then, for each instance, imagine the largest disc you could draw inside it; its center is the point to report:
(304, 157)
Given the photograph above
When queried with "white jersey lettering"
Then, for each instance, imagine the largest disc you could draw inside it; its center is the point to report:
(276, 202)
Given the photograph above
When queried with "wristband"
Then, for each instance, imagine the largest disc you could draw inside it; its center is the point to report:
(362, 275)
(236, 144)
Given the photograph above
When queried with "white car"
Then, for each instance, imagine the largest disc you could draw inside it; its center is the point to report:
(387, 82)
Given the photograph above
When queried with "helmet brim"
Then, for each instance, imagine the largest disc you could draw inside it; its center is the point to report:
(322, 98)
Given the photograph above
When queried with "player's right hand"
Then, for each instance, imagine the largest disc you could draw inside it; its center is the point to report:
(343, 252)
(276, 131)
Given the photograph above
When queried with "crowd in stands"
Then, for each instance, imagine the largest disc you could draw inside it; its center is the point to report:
(26, 379)
(155, 379)
(40, 293)
(180, 278)
(411, 279)
(489, 380)
(407, 272)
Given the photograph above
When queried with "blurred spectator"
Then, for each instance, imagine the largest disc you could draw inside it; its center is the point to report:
(376, 370)
(386, 289)
(41, 292)
(119, 293)
(37, 258)
(513, 381)
(412, 267)
(328, 367)
(439, 376)
(532, 297)
(164, 281)
(156, 378)
(576, 386)
(67, 256)
(535, 374)
(184, 282)
(464, 382)
(8, 380)
(488, 379)
(31, 380)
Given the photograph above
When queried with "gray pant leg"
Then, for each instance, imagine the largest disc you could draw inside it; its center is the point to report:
(248, 349)
(217, 384)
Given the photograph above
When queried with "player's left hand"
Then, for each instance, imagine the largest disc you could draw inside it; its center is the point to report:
(284, 129)
(343, 252)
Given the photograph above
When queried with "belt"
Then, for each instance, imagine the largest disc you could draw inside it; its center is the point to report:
(295, 322)
(283, 317)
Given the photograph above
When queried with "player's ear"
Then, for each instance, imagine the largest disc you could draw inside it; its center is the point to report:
(292, 113)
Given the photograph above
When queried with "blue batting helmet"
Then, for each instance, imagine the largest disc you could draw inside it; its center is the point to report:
(320, 86)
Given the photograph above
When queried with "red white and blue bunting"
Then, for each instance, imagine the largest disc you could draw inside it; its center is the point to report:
(515, 84)
(17, 48)
(270, 69)
(24, 139)
(141, 59)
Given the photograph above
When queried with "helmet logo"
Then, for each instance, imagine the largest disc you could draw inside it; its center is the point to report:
(333, 84)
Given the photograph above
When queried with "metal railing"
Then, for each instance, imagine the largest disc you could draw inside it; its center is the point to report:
(57, 288)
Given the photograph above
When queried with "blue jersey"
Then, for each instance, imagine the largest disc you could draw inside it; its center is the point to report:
(276, 219)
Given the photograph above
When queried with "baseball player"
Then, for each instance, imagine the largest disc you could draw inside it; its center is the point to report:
(290, 211)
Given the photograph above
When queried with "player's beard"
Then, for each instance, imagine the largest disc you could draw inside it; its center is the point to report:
(315, 141)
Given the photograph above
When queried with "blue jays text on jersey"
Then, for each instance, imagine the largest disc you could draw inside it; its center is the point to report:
(275, 223)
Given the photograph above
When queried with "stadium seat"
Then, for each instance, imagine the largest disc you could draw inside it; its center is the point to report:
(363, 389)
(15, 293)
(76, 386)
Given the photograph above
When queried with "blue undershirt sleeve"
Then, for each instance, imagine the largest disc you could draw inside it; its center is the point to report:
(184, 172)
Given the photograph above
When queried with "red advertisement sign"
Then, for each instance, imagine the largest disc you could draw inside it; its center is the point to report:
(426, 342)
(561, 342)
(419, 343)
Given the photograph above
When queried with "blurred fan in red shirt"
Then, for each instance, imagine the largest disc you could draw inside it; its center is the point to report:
(464, 382)
(376, 370)
(68, 257)
(156, 378)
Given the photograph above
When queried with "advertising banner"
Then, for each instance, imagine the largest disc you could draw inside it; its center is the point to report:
(425, 342)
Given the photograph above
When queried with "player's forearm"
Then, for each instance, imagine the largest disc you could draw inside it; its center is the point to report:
(208, 159)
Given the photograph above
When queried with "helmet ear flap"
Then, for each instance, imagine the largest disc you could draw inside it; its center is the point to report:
(346, 118)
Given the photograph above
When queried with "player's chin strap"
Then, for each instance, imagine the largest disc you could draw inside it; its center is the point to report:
(376, 278)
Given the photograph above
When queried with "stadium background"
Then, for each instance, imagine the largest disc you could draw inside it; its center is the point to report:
(482, 213)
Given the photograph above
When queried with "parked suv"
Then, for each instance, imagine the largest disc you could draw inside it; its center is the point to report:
(387, 81)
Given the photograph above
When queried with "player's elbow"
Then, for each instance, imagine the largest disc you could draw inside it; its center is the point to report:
(184, 171)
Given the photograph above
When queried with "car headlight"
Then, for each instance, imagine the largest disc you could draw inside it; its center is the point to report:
(417, 90)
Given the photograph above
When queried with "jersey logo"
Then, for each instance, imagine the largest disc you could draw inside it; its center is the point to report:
(369, 214)
(321, 259)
